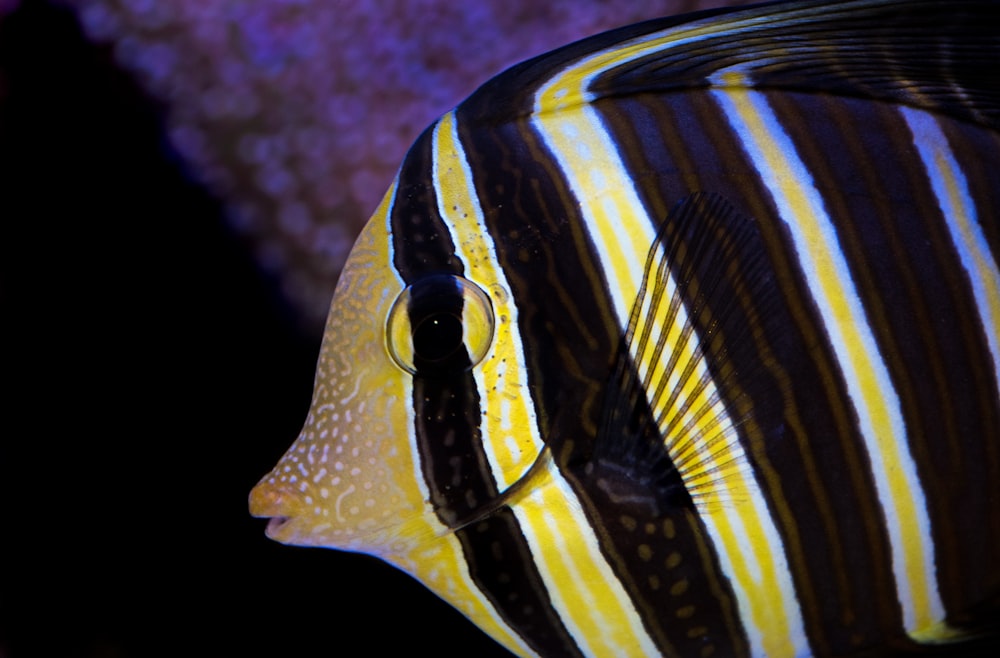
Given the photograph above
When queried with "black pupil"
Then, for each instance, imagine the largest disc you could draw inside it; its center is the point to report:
(437, 337)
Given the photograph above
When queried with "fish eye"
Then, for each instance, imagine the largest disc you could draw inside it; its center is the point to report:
(439, 324)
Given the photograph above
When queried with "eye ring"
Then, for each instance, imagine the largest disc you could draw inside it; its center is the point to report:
(440, 324)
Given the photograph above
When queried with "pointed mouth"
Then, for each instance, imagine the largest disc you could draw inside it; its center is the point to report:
(277, 506)
(275, 524)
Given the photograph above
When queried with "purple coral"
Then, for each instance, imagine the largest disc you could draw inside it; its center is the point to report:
(297, 112)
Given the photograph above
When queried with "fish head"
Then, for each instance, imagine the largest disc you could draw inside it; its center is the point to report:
(419, 368)
(346, 480)
(422, 425)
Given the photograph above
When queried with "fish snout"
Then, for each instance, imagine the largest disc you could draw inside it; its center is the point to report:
(268, 500)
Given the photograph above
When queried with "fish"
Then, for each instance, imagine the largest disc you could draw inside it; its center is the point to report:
(684, 340)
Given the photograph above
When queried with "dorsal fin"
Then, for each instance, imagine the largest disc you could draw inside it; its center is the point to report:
(667, 436)
(931, 54)
(937, 55)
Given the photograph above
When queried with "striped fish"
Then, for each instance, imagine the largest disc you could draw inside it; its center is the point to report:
(684, 340)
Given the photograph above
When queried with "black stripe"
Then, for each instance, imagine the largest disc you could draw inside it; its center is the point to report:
(447, 426)
(446, 406)
(449, 438)
(511, 95)
(570, 338)
(503, 568)
(421, 241)
(978, 153)
(458, 475)
(804, 441)
(901, 258)
(569, 331)
(803, 438)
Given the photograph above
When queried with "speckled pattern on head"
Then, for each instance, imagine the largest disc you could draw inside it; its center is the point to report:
(348, 457)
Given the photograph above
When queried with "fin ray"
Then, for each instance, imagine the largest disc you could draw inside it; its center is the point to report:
(665, 423)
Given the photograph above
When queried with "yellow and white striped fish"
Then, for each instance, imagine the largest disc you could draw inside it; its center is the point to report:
(685, 340)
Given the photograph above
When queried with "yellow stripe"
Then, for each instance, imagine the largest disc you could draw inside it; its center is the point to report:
(867, 378)
(415, 541)
(510, 433)
(760, 573)
(569, 88)
(559, 535)
(440, 565)
(750, 549)
(584, 590)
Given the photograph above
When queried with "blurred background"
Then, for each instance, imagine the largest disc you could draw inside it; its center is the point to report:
(180, 183)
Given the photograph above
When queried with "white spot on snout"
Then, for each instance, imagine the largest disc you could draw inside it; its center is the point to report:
(340, 499)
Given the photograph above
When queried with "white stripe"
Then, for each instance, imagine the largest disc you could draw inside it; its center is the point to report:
(474, 245)
(952, 191)
(582, 586)
(745, 535)
(824, 265)
(428, 561)
(569, 545)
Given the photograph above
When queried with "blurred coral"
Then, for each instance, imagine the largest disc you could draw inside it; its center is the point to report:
(296, 113)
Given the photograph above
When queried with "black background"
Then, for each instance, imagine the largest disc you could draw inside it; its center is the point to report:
(151, 374)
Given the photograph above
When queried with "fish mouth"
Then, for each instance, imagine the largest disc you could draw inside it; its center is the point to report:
(285, 530)
(282, 529)
(275, 524)
(277, 506)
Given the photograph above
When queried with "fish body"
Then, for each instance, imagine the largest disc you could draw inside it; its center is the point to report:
(685, 340)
